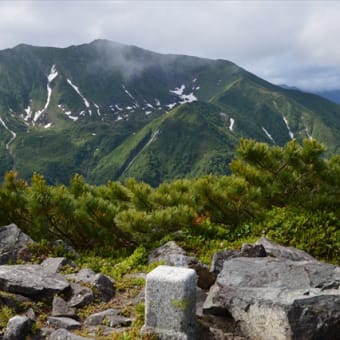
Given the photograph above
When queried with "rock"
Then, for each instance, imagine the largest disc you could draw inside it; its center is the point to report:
(170, 303)
(32, 281)
(55, 264)
(61, 308)
(169, 253)
(98, 318)
(31, 314)
(106, 331)
(62, 322)
(63, 334)
(103, 283)
(65, 249)
(18, 328)
(109, 317)
(247, 250)
(275, 250)
(13, 243)
(81, 296)
(173, 255)
(273, 298)
(105, 287)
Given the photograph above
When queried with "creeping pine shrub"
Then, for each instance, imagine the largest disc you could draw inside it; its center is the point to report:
(316, 232)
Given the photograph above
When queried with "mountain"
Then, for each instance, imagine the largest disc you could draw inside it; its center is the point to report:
(333, 95)
(110, 111)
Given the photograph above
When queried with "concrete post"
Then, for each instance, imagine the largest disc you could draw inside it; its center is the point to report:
(170, 303)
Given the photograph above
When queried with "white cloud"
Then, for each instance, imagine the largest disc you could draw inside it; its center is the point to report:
(280, 40)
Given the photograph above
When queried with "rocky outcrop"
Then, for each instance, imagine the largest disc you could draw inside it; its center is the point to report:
(278, 298)
(13, 244)
(276, 250)
(31, 281)
(262, 291)
(247, 250)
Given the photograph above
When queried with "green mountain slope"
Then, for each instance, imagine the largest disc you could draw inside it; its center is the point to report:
(111, 111)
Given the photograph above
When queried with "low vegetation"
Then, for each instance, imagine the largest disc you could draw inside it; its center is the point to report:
(290, 194)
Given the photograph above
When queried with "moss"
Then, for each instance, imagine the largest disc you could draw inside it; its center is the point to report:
(181, 304)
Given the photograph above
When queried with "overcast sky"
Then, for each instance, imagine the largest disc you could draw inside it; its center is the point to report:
(288, 42)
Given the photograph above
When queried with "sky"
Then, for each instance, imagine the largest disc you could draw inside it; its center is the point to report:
(286, 42)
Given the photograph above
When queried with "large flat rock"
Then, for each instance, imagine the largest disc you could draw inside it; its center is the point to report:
(32, 281)
(275, 298)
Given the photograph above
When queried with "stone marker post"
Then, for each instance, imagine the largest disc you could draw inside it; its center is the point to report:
(170, 303)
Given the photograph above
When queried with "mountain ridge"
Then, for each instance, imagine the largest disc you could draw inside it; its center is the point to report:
(82, 109)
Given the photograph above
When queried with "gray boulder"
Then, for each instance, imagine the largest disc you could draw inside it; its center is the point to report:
(103, 283)
(247, 250)
(110, 317)
(55, 264)
(32, 281)
(81, 296)
(169, 253)
(13, 244)
(63, 334)
(18, 328)
(276, 250)
(278, 298)
(63, 322)
(61, 308)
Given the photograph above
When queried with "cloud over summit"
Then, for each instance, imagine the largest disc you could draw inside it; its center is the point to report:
(285, 42)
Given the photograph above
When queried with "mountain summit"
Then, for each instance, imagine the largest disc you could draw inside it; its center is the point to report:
(110, 111)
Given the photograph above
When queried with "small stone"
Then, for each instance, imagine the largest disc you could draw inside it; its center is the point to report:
(103, 283)
(63, 334)
(61, 308)
(55, 264)
(97, 318)
(62, 322)
(18, 328)
(81, 296)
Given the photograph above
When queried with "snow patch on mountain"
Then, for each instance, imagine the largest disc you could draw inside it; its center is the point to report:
(291, 134)
(231, 124)
(308, 134)
(28, 113)
(127, 92)
(178, 90)
(98, 109)
(188, 98)
(53, 74)
(14, 135)
(268, 135)
(171, 106)
(76, 88)
(185, 98)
